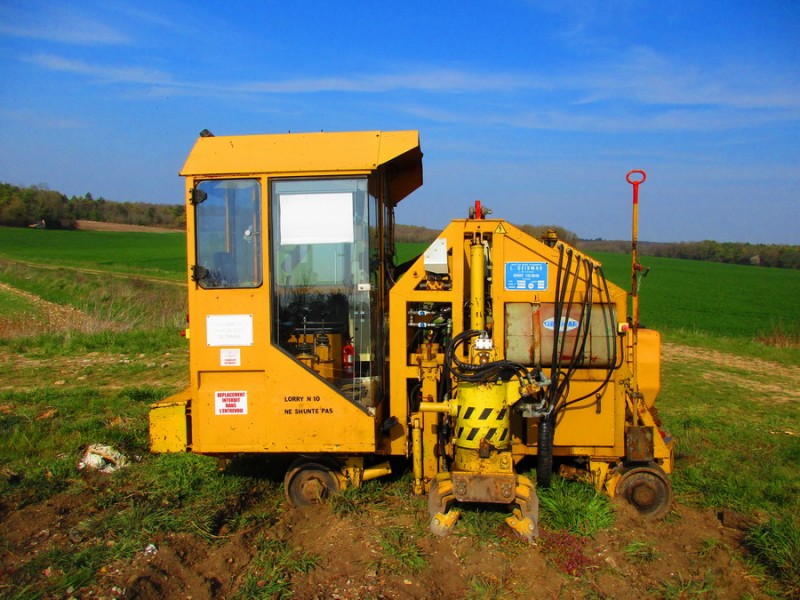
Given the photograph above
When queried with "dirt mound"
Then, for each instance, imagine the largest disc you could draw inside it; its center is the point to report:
(690, 554)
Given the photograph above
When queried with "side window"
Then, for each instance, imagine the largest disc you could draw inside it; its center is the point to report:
(228, 234)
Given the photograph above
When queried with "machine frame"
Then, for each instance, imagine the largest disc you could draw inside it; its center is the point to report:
(308, 341)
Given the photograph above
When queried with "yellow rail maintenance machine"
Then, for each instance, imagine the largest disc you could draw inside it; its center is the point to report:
(307, 340)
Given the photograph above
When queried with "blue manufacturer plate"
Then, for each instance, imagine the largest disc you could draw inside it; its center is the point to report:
(526, 276)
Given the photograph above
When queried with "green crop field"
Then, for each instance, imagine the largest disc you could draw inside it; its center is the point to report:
(719, 299)
(141, 253)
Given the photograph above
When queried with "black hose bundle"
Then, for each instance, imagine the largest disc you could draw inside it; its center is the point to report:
(560, 374)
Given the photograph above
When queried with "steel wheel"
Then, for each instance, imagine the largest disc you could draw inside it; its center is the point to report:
(309, 483)
(647, 489)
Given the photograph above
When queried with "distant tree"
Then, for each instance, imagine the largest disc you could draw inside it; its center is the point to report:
(21, 207)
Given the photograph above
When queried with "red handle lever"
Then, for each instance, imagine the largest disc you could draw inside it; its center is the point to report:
(635, 182)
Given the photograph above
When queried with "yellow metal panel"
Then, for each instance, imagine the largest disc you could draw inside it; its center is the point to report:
(649, 364)
(168, 426)
(586, 424)
(285, 409)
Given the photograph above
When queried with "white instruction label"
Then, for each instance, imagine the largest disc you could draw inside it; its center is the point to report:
(230, 357)
(229, 330)
(230, 403)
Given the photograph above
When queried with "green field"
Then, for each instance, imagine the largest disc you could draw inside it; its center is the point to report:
(684, 299)
(719, 299)
(146, 254)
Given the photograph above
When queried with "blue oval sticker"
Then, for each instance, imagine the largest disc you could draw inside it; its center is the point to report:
(566, 324)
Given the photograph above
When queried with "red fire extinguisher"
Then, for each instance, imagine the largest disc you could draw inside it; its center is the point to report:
(348, 358)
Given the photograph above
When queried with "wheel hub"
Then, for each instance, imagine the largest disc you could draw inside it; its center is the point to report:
(647, 489)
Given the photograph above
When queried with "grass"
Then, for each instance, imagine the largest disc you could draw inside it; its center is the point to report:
(487, 587)
(776, 544)
(270, 572)
(734, 449)
(358, 500)
(53, 426)
(402, 551)
(482, 523)
(118, 303)
(641, 552)
(680, 587)
(733, 301)
(574, 507)
(15, 305)
(122, 514)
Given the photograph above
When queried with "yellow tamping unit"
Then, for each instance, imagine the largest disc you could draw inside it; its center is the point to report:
(309, 341)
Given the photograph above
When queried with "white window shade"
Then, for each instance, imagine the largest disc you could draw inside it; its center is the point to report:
(316, 218)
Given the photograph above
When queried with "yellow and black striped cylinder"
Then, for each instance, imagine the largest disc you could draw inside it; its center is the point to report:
(482, 415)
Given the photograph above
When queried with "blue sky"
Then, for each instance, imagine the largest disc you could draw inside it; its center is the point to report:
(537, 108)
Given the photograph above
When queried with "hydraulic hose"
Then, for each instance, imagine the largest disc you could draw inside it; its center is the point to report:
(612, 347)
(544, 454)
(478, 373)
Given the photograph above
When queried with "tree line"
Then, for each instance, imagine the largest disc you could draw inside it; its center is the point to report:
(417, 234)
(37, 206)
(782, 256)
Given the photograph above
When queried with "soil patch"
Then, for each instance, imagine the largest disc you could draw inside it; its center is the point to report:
(102, 226)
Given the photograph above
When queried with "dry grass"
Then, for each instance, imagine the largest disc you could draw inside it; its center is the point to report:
(781, 336)
(42, 301)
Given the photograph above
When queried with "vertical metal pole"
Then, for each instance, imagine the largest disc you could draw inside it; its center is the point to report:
(635, 266)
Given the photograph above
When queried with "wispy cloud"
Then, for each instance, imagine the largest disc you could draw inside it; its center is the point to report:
(58, 24)
(645, 92)
(33, 118)
(120, 74)
(425, 80)
(649, 78)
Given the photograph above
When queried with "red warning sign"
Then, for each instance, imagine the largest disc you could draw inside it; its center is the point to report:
(230, 403)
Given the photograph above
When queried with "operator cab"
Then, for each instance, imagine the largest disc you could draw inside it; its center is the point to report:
(291, 249)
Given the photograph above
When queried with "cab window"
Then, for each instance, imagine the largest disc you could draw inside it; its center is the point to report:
(228, 236)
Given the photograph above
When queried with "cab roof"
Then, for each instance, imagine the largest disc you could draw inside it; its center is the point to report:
(296, 154)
